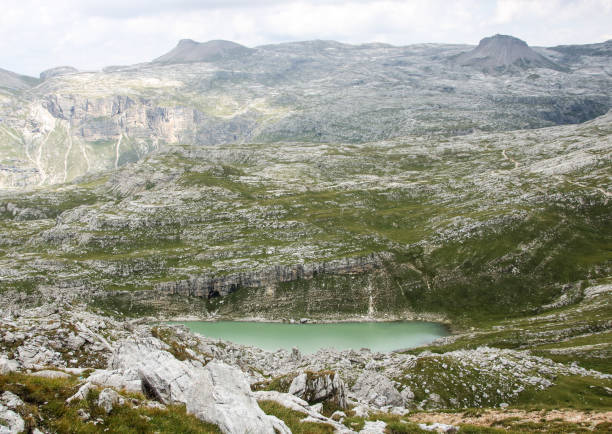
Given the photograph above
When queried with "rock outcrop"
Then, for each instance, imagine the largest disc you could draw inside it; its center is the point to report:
(316, 387)
(108, 399)
(216, 393)
(59, 70)
(222, 396)
(211, 286)
(377, 390)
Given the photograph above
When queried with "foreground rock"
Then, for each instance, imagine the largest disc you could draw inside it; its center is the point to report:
(10, 421)
(377, 389)
(216, 393)
(294, 403)
(221, 395)
(319, 386)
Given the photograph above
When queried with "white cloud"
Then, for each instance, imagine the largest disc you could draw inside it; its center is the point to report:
(89, 34)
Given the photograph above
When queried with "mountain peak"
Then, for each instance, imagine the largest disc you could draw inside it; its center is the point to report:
(188, 51)
(59, 70)
(501, 52)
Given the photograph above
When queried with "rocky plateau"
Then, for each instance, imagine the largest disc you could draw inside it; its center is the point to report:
(309, 182)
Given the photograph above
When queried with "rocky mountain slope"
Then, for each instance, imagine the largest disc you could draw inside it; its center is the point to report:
(11, 81)
(319, 225)
(317, 91)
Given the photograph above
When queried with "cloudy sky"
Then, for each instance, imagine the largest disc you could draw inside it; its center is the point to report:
(89, 34)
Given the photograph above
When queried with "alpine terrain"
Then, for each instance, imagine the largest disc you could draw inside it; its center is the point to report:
(309, 182)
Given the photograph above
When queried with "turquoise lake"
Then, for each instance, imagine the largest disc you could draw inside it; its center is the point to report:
(377, 336)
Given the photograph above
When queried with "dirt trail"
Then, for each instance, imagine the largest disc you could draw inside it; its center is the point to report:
(516, 164)
(489, 417)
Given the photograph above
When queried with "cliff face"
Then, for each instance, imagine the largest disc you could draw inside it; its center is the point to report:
(101, 119)
(211, 286)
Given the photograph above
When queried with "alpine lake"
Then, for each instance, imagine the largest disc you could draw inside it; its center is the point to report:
(308, 338)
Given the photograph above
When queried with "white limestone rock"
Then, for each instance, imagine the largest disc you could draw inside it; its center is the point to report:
(221, 395)
(161, 374)
(376, 389)
(108, 399)
(376, 427)
(48, 373)
(294, 403)
(8, 365)
(314, 387)
(10, 400)
(81, 393)
(439, 427)
(128, 380)
(215, 393)
(12, 423)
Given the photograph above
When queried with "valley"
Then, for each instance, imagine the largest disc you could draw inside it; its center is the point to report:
(309, 182)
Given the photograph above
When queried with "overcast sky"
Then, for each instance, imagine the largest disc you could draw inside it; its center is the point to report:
(89, 34)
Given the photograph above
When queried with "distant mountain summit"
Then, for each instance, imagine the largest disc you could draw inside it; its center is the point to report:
(59, 70)
(603, 49)
(501, 52)
(188, 51)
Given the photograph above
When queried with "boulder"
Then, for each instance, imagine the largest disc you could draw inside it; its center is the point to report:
(108, 399)
(128, 380)
(319, 386)
(48, 373)
(222, 396)
(407, 394)
(376, 389)
(8, 365)
(10, 400)
(216, 393)
(12, 423)
(296, 355)
(162, 376)
(374, 427)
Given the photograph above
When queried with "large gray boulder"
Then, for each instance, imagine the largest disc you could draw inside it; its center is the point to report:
(162, 375)
(216, 393)
(8, 365)
(108, 399)
(319, 386)
(222, 396)
(376, 389)
(128, 380)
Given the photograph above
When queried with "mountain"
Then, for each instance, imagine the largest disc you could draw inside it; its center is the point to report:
(13, 81)
(59, 70)
(313, 91)
(599, 49)
(501, 52)
(189, 50)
